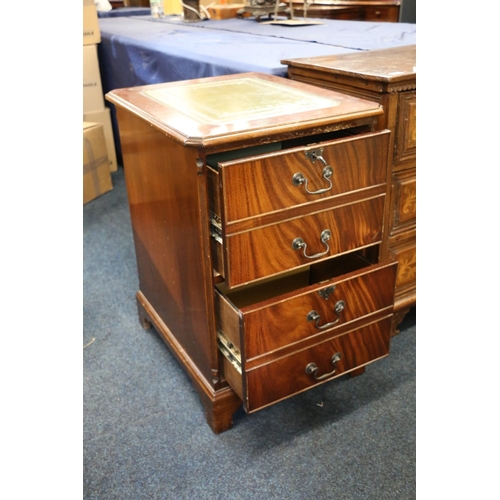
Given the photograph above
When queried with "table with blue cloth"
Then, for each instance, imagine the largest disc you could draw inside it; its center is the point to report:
(142, 50)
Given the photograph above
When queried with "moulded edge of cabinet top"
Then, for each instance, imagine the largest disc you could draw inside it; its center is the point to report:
(231, 108)
(391, 65)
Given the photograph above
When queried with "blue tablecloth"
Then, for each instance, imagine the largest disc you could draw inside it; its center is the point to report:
(142, 50)
(357, 35)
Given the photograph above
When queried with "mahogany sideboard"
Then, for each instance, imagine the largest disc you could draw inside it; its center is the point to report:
(389, 77)
(257, 208)
(352, 10)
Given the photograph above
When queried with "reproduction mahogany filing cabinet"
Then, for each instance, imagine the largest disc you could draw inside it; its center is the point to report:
(389, 77)
(257, 206)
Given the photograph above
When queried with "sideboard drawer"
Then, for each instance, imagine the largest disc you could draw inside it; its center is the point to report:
(404, 205)
(381, 13)
(405, 251)
(272, 326)
(279, 180)
(406, 139)
(271, 249)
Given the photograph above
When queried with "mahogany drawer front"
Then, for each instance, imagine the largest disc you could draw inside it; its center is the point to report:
(283, 377)
(279, 322)
(276, 181)
(276, 248)
(406, 134)
(404, 196)
(381, 13)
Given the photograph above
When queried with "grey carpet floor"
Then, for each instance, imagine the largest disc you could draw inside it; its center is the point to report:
(145, 434)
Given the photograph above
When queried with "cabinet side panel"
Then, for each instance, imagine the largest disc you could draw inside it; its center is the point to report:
(161, 177)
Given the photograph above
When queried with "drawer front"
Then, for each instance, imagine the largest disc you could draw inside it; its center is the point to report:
(381, 13)
(277, 181)
(404, 203)
(309, 313)
(406, 135)
(287, 376)
(405, 251)
(273, 249)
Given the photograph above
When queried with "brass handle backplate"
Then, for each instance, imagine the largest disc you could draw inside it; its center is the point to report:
(298, 179)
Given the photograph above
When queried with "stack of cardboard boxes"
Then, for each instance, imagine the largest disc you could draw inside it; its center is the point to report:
(99, 154)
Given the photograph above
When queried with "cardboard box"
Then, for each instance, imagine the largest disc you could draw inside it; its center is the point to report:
(96, 175)
(225, 11)
(93, 96)
(91, 31)
(172, 7)
(104, 119)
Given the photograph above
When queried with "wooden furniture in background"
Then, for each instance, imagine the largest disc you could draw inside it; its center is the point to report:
(388, 77)
(352, 10)
(339, 12)
(136, 3)
(368, 10)
(257, 207)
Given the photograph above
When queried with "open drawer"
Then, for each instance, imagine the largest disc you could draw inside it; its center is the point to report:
(276, 248)
(286, 177)
(282, 337)
(295, 205)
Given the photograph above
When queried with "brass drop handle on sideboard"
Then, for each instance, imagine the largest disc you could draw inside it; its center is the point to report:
(314, 316)
(315, 154)
(312, 368)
